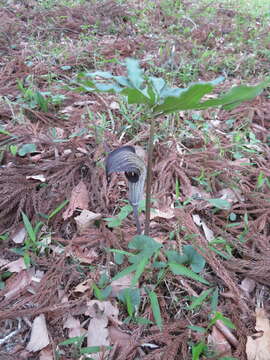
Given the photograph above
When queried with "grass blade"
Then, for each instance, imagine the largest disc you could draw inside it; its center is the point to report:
(178, 269)
(155, 308)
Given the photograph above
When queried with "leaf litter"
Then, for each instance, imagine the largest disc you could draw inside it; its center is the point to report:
(64, 165)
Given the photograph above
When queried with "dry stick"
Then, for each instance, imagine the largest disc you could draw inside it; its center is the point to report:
(149, 177)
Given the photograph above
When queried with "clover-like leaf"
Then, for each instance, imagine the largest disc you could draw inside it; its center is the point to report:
(195, 260)
(27, 149)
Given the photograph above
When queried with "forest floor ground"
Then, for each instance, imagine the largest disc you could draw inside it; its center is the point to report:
(59, 289)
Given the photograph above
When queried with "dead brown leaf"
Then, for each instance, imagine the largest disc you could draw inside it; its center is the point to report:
(18, 235)
(248, 285)
(119, 337)
(98, 333)
(164, 214)
(95, 307)
(79, 199)
(39, 334)
(85, 220)
(209, 235)
(74, 327)
(16, 266)
(16, 283)
(87, 256)
(120, 284)
(46, 354)
(83, 286)
(258, 347)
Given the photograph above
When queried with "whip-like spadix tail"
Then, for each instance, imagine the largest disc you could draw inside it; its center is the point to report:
(125, 159)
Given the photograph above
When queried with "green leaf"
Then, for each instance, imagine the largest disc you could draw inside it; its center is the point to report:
(134, 73)
(139, 270)
(118, 258)
(41, 101)
(158, 84)
(73, 340)
(188, 99)
(175, 257)
(27, 149)
(200, 299)
(232, 216)
(101, 294)
(145, 243)
(4, 132)
(197, 328)
(220, 203)
(125, 272)
(65, 67)
(135, 96)
(195, 260)
(29, 228)
(225, 320)
(178, 269)
(236, 96)
(102, 87)
(214, 300)
(142, 321)
(27, 259)
(124, 212)
(94, 349)
(58, 209)
(198, 350)
(122, 80)
(155, 308)
(102, 74)
(113, 222)
(13, 149)
(131, 298)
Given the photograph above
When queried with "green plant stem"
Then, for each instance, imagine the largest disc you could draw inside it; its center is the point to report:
(137, 220)
(149, 177)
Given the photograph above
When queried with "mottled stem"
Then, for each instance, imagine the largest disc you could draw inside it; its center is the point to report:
(137, 221)
(149, 177)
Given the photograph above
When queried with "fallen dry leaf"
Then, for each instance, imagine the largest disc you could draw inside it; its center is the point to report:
(141, 152)
(230, 195)
(196, 193)
(105, 307)
(19, 234)
(120, 284)
(83, 286)
(39, 338)
(164, 214)
(258, 346)
(74, 327)
(209, 235)
(3, 262)
(79, 199)
(16, 283)
(40, 177)
(87, 256)
(98, 333)
(85, 220)
(16, 266)
(119, 337)
(46, 354)
(114, 105)
(248, 285)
